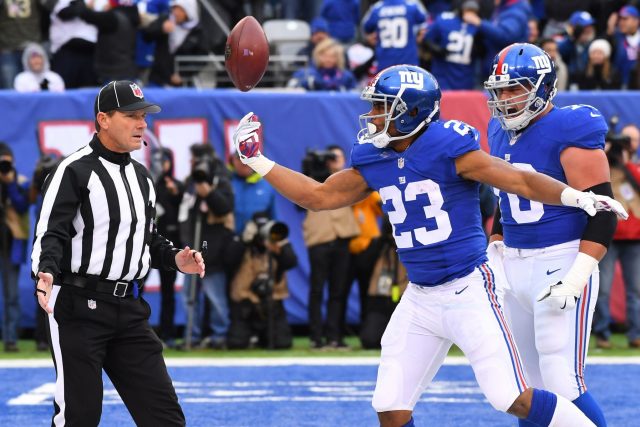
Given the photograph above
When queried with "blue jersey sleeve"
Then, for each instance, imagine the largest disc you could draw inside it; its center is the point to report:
(420, 13)
(583, 127)
(464, 138)
(370, 20)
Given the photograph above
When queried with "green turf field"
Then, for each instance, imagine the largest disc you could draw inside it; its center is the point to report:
(301, 349)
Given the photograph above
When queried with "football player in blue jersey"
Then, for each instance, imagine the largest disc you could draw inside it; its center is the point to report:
(451, 43)
(550, 253)
(399, 26)
(427, 173)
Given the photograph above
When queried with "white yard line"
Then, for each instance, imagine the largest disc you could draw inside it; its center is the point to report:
(286, 361)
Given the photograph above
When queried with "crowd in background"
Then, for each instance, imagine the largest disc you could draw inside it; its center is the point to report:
(52, 45)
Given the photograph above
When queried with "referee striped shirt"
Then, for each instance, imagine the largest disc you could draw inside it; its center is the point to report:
(97, 218)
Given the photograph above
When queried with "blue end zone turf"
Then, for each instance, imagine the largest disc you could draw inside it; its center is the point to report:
(305, 395)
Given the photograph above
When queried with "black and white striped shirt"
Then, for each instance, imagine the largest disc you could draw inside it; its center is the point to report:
(97, 218)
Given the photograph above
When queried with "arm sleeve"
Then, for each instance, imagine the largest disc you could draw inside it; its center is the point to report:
(602, 226)
(163, 254)
(19, 195)
(220, 200)
(496, 228)
(53, 228)
(505, 32)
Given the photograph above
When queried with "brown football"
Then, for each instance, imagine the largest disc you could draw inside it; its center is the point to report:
(246, 53)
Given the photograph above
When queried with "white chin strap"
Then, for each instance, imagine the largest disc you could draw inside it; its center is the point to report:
(378, 141)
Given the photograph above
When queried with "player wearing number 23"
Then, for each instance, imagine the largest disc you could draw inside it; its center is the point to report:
(550, 253)
(427, 174)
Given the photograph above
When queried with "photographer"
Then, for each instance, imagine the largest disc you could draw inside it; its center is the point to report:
(46, 164)
(260, 286)
(14, 231)
(206, 215)
(326, 235)
(625, 181)
(169, 193)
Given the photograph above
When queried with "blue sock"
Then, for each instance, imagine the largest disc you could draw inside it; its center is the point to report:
(409, 423)
(525, 423)
(587, 404)
(543, 405)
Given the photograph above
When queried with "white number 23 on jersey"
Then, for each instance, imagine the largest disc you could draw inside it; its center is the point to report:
(399, 213)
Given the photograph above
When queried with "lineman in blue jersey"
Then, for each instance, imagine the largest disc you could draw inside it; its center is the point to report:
(451, 42)
(427, 174)
(550, 252)
(398, 25)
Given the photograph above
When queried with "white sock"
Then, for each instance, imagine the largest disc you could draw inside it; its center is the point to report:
(568, 415)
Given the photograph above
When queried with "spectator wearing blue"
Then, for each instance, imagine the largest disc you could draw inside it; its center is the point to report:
(149, 11)
(575, 47)
(252, 194)
(327, 72)
(509, 24)
(14, 232)
(397, 26)
(343, 17)
(451, 43)
(627, 42)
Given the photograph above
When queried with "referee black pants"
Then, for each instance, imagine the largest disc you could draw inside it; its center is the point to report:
(92, 331)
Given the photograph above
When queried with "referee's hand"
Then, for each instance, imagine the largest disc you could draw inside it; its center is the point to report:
(43, 290)
(190, 261)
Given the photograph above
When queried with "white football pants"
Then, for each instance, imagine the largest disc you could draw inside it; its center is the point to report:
(553, 343)
(466, 312)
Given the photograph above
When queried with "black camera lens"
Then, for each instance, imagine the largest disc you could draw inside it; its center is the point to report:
(6, 166)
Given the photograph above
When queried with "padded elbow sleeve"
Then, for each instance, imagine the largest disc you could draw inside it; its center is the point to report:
(601, 227)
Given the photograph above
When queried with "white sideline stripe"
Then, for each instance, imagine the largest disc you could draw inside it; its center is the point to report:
(287, 361)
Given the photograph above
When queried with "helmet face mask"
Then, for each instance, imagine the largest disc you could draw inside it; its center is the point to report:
(527, 73)
(411, 100)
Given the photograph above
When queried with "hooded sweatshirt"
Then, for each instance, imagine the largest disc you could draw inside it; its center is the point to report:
(31, 81)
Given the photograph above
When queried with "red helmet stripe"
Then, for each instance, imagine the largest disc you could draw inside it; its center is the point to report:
(503, 54)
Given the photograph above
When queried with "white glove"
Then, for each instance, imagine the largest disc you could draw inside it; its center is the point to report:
(247, 143)
(564, 294)
(560, 296)
(592, 203)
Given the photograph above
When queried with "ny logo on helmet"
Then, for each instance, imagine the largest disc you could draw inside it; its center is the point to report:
(542, 63)
(411, 79)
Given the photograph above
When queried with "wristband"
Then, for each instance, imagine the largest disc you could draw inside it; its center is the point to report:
(570, 197)
(261, 165)
(579, 273)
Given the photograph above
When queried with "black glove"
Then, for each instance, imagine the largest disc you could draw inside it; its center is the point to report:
(74, 10)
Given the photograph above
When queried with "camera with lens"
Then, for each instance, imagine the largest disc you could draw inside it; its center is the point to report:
(262, 285)
(617, 143)
(314, 164)
(261, 229)
(204, 170)
(46, 164)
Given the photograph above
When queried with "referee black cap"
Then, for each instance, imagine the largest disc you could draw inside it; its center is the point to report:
(122, 95)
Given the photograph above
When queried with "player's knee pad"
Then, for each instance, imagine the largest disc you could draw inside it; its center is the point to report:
(501, 399)
(388, 395)
(559, 376)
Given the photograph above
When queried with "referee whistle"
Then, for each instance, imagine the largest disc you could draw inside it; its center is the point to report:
(203, 251)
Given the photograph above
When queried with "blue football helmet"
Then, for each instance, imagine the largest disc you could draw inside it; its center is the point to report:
(521, 65)
(402, 89)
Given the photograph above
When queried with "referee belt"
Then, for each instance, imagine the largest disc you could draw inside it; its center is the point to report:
(118, 289)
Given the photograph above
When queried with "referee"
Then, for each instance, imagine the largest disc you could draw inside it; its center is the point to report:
(95, 238)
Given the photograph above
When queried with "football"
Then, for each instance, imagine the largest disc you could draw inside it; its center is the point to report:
(246, 54)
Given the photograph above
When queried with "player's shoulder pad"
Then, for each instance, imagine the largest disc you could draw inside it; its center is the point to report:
(362, 152)
(457, 137)
(582, 125)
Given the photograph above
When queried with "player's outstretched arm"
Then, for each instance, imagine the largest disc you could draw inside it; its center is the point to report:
(343, 188)
(479, 166)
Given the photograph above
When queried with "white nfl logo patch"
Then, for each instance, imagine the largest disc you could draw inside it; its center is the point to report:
(92, 304)
(137, 92)
(400, 162)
